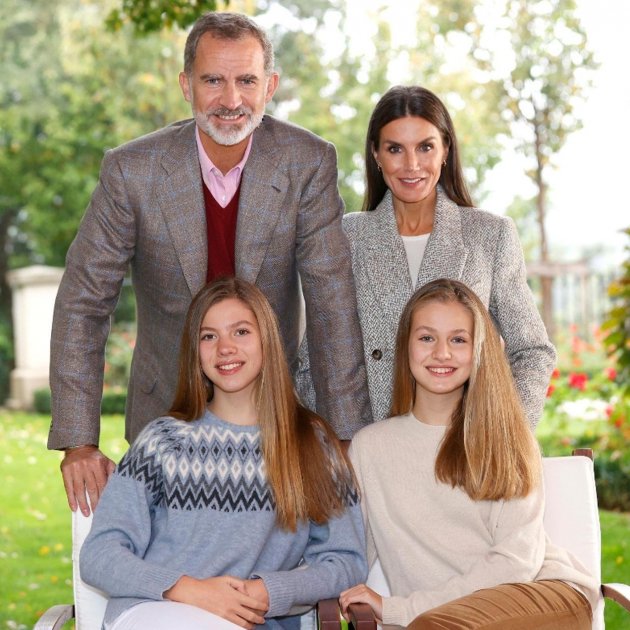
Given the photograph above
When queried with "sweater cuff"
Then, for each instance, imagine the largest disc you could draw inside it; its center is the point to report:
(280, 590)
(395, 611)
(156, 581)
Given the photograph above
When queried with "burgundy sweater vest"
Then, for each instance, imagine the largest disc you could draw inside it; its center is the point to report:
(221, 228)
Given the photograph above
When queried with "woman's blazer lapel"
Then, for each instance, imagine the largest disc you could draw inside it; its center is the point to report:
(384, 261)
(446, 252)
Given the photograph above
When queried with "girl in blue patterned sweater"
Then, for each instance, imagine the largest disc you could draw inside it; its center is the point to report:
(237, 507)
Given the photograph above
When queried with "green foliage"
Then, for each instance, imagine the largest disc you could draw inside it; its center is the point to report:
(41, 401)
(148, 16)
(550, 67)
(69, 91)
(6, 358)
(523, 212)
(333, 94)
(118, 354)
(35, 545)
(100, 89)
(617, 326)
(586, 408)
(113, 402)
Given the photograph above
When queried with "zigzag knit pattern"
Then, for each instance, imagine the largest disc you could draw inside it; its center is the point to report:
(193, 466)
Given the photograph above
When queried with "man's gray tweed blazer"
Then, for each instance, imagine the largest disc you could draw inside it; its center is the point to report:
(478, 248)
(147, 214)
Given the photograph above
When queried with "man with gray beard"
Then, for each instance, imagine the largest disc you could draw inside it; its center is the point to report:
(231, 192)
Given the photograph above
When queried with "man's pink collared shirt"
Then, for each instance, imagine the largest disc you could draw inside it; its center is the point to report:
(222, 187)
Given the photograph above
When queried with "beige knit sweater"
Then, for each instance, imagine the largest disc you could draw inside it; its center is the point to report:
(435, 544)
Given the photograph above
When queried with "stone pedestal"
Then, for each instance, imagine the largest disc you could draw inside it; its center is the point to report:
(34, 290)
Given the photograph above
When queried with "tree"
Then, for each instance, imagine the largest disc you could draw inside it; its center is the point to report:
(334, 95)
(69, 91)
(550, 73)
(150, 16)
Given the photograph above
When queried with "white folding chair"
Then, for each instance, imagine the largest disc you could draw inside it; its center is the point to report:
(89, 605)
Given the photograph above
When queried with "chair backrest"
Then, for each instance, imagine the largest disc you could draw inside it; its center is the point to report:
(571, 519)
(89, 602)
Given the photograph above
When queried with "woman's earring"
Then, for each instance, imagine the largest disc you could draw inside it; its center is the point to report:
(378, 166)
(444, 163)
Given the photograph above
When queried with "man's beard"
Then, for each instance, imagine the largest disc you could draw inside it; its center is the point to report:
(228, 136)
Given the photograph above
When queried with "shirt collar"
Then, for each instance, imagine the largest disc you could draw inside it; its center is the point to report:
(207, 165)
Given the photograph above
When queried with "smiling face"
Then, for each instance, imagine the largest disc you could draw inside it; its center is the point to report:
(230, 349)
(441, 348)
(228, 88)
(410, 154)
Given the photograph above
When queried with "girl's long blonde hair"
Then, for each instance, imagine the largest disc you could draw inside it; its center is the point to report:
(488, 450)
(308, 472)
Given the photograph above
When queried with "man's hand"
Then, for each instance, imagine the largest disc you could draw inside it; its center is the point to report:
(362, 594)
(85, 468)
(225, 596)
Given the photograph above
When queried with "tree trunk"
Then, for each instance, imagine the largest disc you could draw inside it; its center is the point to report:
(6, 302)
(546, 279)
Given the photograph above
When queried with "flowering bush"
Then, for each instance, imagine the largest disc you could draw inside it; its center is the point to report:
(588, 407)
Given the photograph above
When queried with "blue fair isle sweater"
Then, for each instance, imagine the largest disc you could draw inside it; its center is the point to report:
(192, 498)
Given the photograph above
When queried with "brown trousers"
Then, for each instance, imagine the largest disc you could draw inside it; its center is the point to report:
(547, 604)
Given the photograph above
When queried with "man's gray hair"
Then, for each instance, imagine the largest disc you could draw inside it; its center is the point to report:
(230, 26)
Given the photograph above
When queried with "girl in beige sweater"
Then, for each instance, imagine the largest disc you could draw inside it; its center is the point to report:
(451, 485)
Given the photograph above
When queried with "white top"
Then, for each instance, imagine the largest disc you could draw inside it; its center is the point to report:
(414, 248)
(434, 542)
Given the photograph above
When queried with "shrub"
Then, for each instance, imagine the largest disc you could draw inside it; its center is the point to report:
(612, 477)
(41, 401)
(587, 408)
(113, 402)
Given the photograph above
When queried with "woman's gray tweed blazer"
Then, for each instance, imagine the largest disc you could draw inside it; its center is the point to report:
(478, 248)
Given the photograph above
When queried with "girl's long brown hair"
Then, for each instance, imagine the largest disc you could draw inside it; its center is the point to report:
(308, 471)
(488, 450)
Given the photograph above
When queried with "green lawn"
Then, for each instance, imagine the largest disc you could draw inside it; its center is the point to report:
(35, 564)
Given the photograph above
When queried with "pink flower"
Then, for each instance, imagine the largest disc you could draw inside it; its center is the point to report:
(611, 373)
(550, 390)
(577, 380)
(555, 373)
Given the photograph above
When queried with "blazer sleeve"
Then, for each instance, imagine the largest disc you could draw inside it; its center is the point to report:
(96, 264)
(529, 351)
(335, 343)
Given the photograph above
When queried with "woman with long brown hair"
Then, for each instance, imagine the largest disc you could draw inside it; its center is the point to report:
(238, 505)
(451, 485)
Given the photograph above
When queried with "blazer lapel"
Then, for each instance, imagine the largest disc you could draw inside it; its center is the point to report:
(181, 202)
(445, 255)
(385, 262)
(263, 189)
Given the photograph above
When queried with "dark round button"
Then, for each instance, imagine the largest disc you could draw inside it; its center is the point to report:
(377, 355)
